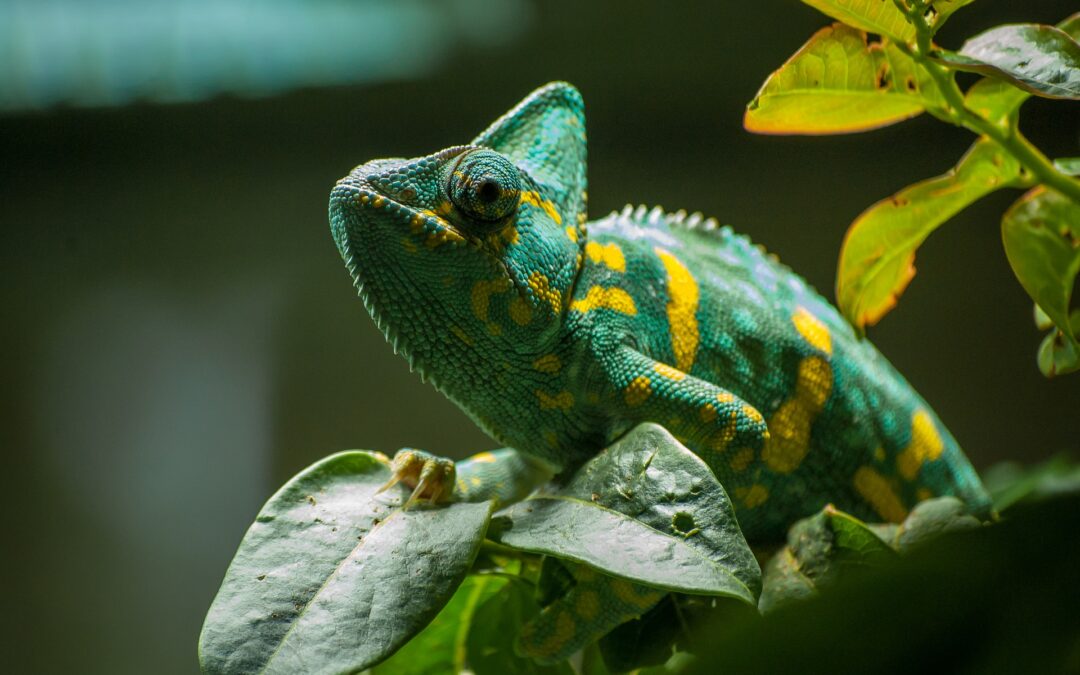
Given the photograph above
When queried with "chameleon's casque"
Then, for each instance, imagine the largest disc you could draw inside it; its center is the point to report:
(557, 334)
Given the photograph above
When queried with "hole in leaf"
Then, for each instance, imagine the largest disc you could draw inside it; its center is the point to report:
(910, 83)
(683, 522)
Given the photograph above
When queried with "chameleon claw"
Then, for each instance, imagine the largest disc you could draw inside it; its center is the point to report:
(430, 477)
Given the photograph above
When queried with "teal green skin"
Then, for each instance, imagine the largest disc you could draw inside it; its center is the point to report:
(557, 335)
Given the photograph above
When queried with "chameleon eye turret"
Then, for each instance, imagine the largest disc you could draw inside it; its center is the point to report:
(485, 186)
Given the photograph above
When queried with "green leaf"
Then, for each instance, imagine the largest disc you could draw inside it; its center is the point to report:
(1044, 60)
(441, 647)
(1068, 165)
(645, 509)
(1009, 483)
(998, 100)
(1058, 353)
(878, 255)
(819, 550)
(334, 577)
(931, 519)
(837, 83)
(495, 627)
(873, 16)
(1041, 233)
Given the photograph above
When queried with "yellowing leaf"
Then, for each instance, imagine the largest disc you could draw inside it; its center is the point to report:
(873, 16)
(878, 254)
(837, 83)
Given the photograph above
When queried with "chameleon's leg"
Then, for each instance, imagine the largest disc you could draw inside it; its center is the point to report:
(431, 477)
(709, 418)
(590, 609)
(504, 475)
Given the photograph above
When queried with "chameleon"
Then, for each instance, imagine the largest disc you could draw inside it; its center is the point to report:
(557, 334)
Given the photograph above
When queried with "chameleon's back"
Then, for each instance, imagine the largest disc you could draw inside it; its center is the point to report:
(844, 425)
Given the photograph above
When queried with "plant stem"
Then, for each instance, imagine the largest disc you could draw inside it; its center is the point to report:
(1009, 137)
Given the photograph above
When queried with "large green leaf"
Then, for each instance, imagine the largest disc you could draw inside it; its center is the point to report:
(1044, 60)
(1041, 232)
(645, 509)
(998, 100)
(837, 83)
(878, 255)
(441, 647)
(333, 577)
(873, 16)
(819, 550)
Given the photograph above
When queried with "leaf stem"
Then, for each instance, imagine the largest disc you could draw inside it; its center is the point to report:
(1008, 137)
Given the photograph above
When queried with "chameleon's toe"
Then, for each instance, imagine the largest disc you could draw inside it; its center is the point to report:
(594, 606)
(431, 478)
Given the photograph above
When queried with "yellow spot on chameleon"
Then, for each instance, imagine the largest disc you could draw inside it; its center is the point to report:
(790, 425)
(812, 330)
(707, 413)
(725, 397)
(564, 400)
(520, 311)
(541, 286)
(571, 233)
(630, 594)
(548, 363)
(609, 255)
(719, 440)
(922, 494)
(409, 245)
(475, 481)
(669, 372)
(741, 459)
(879, 493)
(682, 307)
(598, 297)
(752, 413)
(638, 391)
(564, 628)
(587, 605)
(483, 457)
(533, 197)
(753, 496)
(925, 446)
(494, 329)
(460, 334)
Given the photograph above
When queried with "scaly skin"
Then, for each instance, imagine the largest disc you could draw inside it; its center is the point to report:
(557, 335)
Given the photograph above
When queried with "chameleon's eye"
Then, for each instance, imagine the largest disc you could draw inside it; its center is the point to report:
(485, 186)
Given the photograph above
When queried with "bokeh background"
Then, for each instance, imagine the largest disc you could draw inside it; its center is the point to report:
(180, 336)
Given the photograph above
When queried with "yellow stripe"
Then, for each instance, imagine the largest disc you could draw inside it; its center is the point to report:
(599, 297)
(681, 310)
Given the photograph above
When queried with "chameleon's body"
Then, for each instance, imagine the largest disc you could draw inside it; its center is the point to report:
(557, 335)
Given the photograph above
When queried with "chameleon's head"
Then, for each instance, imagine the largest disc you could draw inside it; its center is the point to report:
(475, 243)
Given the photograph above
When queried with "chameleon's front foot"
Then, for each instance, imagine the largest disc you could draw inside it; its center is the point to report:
(430, 477)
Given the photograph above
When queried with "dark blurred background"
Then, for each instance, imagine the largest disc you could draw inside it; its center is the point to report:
(180, 336)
